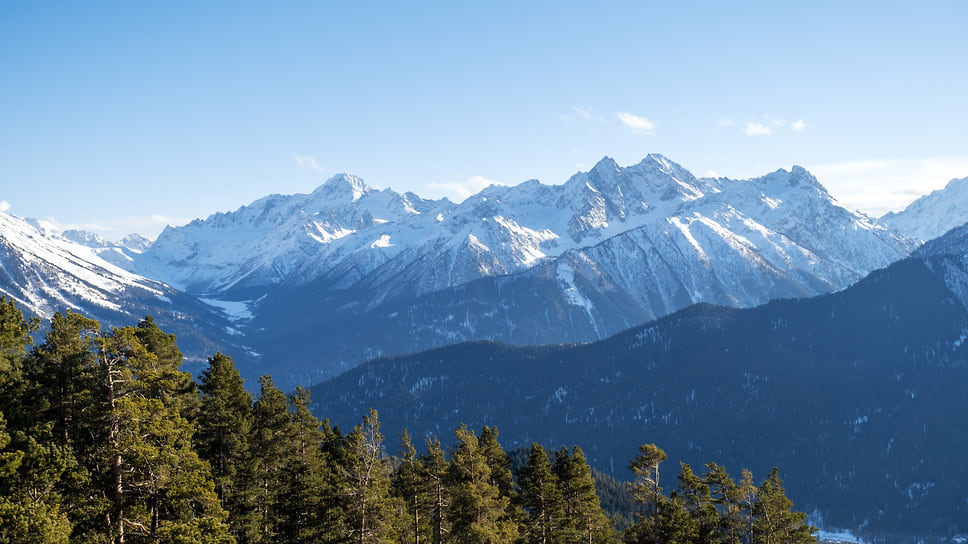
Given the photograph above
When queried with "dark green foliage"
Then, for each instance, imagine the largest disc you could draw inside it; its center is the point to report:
(434, 477)
(303, 494)
(104, 439)
(224, 423)
(775, 521)
(542, 499)
(713, 509)
(698, 501)
(103, 453)
(477, 512)
(270, 428)
(585, 519)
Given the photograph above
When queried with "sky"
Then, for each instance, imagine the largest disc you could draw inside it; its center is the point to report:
(122, 117)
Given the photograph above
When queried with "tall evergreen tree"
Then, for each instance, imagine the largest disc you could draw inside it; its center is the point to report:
(30, 471)
(698, 501)
(645, 485)
(224, 422)
(267, 448)
(674, 524)
(541, 499)
(498, 460)
(434, 475)
(748, 498)
(776, 522)
(160, 489)
(477, 510)
(162, 378)
(15, 338)
(411, 486)
(586, 522)
(62, 412)
(726, 496)
(301, 516)
(366, 471)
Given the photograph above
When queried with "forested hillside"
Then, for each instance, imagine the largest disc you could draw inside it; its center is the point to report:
(858, 395)
(104, 439)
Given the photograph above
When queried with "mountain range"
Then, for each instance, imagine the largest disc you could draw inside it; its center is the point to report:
(358, 273)
(750, 322)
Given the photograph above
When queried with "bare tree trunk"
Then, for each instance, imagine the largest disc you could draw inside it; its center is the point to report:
(114, 437)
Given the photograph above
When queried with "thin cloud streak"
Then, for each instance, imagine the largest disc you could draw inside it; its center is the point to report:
(635, 122)
(307, 162)
(757, 129)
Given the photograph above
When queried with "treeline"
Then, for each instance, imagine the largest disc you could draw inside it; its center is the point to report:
(104, 440)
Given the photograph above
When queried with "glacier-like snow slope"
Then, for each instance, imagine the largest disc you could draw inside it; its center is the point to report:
(354, 235)
(46, 272)
(934, 214)
(285, 238)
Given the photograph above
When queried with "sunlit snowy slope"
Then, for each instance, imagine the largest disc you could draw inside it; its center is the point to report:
(357, 272)
(45, 272)
(934, 214)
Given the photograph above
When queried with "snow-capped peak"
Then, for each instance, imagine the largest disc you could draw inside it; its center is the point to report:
(343, 187)
(604, 168)
(331, 232)
(934, 214)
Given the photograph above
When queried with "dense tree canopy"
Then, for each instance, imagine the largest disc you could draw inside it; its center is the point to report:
(104, 439)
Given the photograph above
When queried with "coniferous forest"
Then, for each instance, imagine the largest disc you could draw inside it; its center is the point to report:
(103, 439)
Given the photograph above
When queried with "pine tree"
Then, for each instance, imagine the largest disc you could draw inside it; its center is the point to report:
(434, 475)
(366, 472)
(699, 503)
(498, 460)
(541, 499)
(645, 485)
(477, 510)
(748, 498)
(776, 522)
(674, 524)
(163, 379)
(726, 496)
(411, 486)
(65, 383)
(224, 422)
(160, 489)
(302, 500)
(29, 514)
(15, 338)
(268, 449)
(586, 521)
(62, 415)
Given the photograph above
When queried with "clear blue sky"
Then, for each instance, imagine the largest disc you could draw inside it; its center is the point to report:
(123, 116)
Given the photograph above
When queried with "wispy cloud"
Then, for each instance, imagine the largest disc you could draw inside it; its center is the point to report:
(580, 113)
(877, 186)
(460, 190)
(4, 206)
(635, 122)
(584, 113)
(307, 162)
(762, 125)
(757, 129)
